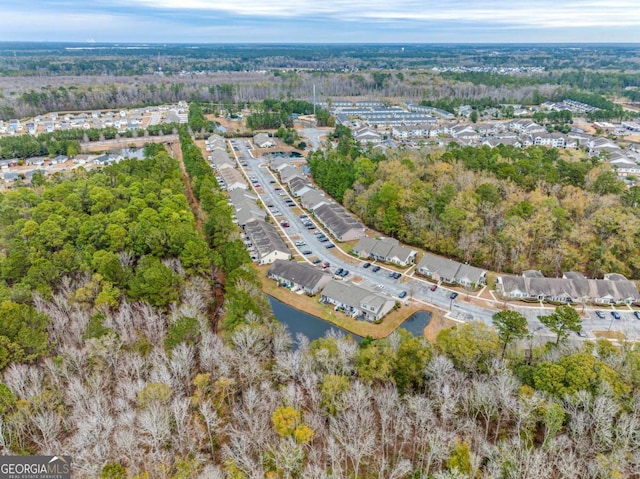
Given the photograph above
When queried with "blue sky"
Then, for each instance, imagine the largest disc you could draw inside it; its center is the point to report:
(324, 21)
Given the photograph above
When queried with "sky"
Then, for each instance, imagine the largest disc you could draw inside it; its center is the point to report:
(321, 21)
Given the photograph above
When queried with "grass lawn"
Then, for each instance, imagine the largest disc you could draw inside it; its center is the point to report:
(438, 323)
(312, 306)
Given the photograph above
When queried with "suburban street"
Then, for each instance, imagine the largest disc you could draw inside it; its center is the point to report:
(467, 306)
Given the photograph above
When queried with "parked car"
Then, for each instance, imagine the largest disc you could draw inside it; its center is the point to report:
(453, 295)
(345, 273)
(600, 314)
(317, 261)
(325, 265)
(366, 265)
(615, 315)
(434, 287)
(402, 294)
(339, 272)
(300, 243)
(375, 269)
(284, 224)
(307, 251)
(636, 314)
(329, 246)
(272, 181)
(395, 275)
(311, 227)
(581, 333)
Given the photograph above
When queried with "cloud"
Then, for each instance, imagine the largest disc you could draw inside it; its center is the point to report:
(249, 21)
(535, 14)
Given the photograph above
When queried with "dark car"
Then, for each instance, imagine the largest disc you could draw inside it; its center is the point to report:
(339, 271)
(395, 275)
(615, 315)
(317, 261)
(329, 246)
(345, 273)
(636, 314)
(402, 294)
(453, 295)
(375, 269)
(307, 251)
(434, 287)
(272, 181)
(600, 314)
(366, 265)
(311, 227)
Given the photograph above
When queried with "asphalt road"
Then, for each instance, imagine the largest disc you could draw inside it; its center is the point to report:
(273, 193)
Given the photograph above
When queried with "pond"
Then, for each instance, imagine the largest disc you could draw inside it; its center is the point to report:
(314, 328)
(416, 323)
(301, 322)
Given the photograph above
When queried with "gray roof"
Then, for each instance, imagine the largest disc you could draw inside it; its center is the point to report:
(532, 273)
(288, 173)
(232, 176)
(444, 267)
(221, 157)
(246, 207)
(573, 275)
(296, 184)
(336, 219)
(313, 198)
(265, 237)
(450, 269)
(262, 138)
(355, 296)
(302, 274)
(574, 289)
(384, 248)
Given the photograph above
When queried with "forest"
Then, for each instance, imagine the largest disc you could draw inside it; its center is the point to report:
(40, 78)
(135, 338)
(505, 209)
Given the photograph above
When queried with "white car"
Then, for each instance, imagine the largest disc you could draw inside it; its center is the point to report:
(300, 243)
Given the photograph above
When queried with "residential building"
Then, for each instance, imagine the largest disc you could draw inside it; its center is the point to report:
(267, 242)
(232, 178)
(571, 288)
(385, 249)
(357, 301)
(340, 224)
(298, 186)
(262, 140)
(288, 172)
(245, 206)
(312, 199)
(367, 135)
(220, 158)
(299, 276)
(450, 271)
(552, 140)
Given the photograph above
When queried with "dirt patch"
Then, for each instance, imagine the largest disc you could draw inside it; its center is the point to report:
(438, 323)
(612, 335)
(232, 125)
